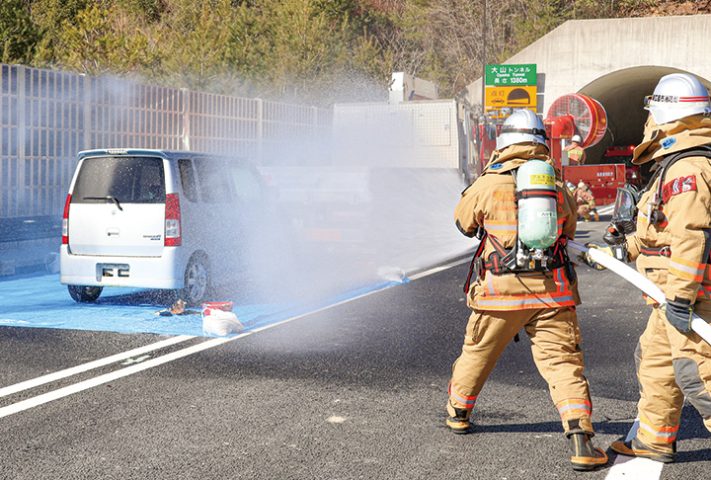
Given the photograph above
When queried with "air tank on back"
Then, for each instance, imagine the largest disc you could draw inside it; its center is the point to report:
(537, 207)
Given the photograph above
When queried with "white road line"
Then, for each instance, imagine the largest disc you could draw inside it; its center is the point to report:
(441, 268)
(124, 372)
(53, 377)
(605, 210)
(633, 468)
(108, 377)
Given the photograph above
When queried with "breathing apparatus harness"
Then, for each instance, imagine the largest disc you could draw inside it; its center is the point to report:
(530, 256)
(624, 216)
(654, 213)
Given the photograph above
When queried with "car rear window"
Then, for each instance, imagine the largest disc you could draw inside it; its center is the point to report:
(127, 179)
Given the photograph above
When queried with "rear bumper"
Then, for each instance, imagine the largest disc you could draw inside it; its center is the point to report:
(166, 271)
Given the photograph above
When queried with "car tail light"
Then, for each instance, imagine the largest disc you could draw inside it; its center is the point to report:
(172, 220)
(65, 221)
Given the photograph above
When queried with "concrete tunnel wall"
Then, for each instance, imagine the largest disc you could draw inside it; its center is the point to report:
(616, 61)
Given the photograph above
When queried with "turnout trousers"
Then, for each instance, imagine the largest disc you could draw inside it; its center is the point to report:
(670, 366)
(555, 338)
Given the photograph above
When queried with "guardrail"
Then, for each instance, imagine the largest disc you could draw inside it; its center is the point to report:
(47, 116)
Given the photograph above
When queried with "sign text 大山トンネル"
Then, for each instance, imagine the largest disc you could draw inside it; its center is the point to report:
(505, 75)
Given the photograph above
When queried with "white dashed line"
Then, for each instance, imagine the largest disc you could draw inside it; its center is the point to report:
(441, 268)
(145, 365)
(605, 210)
(124, 372)
(102, 362)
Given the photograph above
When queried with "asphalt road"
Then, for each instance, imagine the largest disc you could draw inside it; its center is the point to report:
(354, 392)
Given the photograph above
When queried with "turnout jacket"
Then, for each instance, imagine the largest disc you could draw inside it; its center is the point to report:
(584, 198)
(674, 251)
(490, 203)
(576, 154)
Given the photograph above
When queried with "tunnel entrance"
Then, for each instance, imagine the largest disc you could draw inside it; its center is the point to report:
(622, 94)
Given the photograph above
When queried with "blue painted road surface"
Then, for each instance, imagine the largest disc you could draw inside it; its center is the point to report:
(42, 302)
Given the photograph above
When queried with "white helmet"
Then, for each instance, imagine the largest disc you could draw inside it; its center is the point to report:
(522, 126)
(677, 96)
(576, 139)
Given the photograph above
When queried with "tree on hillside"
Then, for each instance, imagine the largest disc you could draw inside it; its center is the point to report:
(309, 46)
(248, 55)
(99, 40)
(196, 43)
(299, 48)
(530, 20)
(18, 34)
(148, 10)
(49, 15)
(459, 43)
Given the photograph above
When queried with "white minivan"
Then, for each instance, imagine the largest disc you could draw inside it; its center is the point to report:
(156, 219)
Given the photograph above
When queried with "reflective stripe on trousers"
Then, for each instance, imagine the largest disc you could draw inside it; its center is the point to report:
(555, 339)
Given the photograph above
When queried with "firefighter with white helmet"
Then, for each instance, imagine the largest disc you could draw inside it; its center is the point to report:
(672, 244)
(521, 278)
(575, 150)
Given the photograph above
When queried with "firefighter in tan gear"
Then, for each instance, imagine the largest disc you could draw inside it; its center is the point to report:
(672, 245)
(586, 202)
(538, 298)
(575, 151)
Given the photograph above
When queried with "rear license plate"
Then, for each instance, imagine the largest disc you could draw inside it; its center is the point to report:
(112, 270)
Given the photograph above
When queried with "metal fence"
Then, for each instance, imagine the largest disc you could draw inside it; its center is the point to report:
(47, 116)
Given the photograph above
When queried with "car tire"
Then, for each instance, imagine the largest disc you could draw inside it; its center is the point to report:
(84, 294)
(196, 285)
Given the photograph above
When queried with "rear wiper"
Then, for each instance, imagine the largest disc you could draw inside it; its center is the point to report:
(109, 198)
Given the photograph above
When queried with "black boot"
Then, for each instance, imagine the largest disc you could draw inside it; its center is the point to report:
(458, 419)
(585, 455)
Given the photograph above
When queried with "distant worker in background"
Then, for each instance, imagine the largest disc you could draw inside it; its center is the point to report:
(538, 294)
(576, 152)
(671, 246)
(585, 201)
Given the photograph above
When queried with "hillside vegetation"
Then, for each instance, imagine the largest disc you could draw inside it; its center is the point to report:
(313, 50)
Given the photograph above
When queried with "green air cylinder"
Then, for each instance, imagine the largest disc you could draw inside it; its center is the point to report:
(537, 204)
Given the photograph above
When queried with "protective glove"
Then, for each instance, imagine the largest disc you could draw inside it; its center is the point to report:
(679, 312)
(590, 262)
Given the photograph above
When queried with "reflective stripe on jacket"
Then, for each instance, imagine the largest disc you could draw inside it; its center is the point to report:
(490, 202)
(576, 154)
(683, 226)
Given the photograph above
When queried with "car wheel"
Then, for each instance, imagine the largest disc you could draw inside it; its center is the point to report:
(83, 294)
(197, 280)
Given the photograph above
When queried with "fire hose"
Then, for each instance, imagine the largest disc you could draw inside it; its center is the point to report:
(578, 250)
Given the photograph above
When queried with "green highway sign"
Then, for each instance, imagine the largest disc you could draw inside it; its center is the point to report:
(510, 75)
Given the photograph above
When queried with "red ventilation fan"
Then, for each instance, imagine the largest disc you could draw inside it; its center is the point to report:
(587, 115)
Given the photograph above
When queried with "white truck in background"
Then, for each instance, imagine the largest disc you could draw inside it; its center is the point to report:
(408, 134)
(391, 173)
